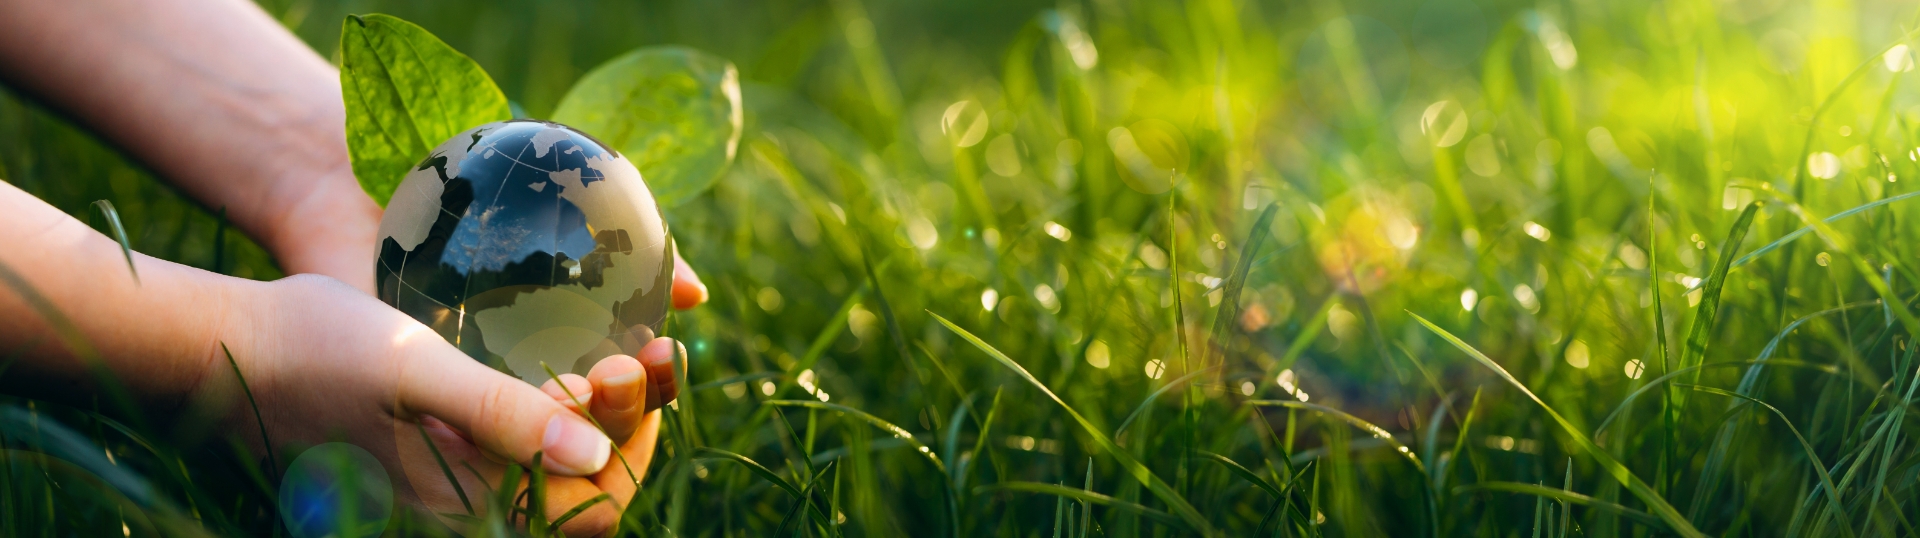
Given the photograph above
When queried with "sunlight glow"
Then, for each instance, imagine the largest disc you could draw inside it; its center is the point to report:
(1535, 230)
(1098, 355)
(1823, 165)
(1578, 356)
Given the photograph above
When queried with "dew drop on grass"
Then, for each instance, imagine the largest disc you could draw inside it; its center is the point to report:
(1098, 355)
(1524, 294)
(1048, 299)
(1537, 231)
(1151, 255)
(1823, 165)
(769, 300)
(1898, 59)
(1578, 354)
(922, 233)
(1823, 259)
(1057, 231)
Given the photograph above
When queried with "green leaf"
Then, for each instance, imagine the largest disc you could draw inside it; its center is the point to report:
(673, 111)
(406, 92)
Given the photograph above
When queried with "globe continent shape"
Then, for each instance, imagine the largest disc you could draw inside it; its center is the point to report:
(528, 245)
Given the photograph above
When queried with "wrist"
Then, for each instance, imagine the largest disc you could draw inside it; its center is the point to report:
(240, 308)
(327, 225)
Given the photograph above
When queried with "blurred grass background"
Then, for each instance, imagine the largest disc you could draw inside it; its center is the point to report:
(1077, 183)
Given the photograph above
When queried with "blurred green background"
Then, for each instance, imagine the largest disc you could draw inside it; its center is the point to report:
(1077, 183)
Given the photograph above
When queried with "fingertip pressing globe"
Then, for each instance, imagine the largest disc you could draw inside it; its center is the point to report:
(526, 243)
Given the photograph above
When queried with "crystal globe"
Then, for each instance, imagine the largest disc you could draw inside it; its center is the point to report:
(527, 242)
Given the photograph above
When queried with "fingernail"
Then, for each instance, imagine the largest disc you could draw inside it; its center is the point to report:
(679, 351)
(574, 447)
(623, 391)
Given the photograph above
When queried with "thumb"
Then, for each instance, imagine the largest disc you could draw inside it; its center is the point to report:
(501, 413)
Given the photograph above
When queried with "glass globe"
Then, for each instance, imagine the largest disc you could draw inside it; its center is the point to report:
(527, 242)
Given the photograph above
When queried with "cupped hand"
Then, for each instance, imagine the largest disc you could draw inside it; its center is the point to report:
(327, 362)
(622, 394)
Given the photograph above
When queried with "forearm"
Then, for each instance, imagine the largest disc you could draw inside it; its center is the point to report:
(213, 95)
(67, 298)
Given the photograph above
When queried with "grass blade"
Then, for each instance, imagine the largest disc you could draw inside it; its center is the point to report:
(1086, 507)
(1370, 428)
(274, 463)
(1813, 456)
(1134, 468)
(788, 525)
(582, 507)
(1804, 230)
(1229, 312)
(822, 341)
(1659, 312)
(1083, 496)
(444, 468)
(742, 378)
(1631, 396)
(1242, 471)
(708, 453)
(119, 235)
(1564, 496)
(897, 431)
(1695, 350)
(1142, 408)
(577, 404)
(1613, 467)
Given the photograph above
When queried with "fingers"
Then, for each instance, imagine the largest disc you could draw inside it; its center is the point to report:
(502, 414)
(622, 479)
(577, 392)
(564, 493)
(658, 357)
(477, 475)
(688, 291)
(622, 385)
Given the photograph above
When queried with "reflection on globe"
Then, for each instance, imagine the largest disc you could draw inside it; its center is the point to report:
(526, 242)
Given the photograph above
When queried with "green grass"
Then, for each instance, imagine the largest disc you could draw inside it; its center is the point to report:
(1010, 269)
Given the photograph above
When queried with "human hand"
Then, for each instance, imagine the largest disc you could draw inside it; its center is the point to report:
(326, 362)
